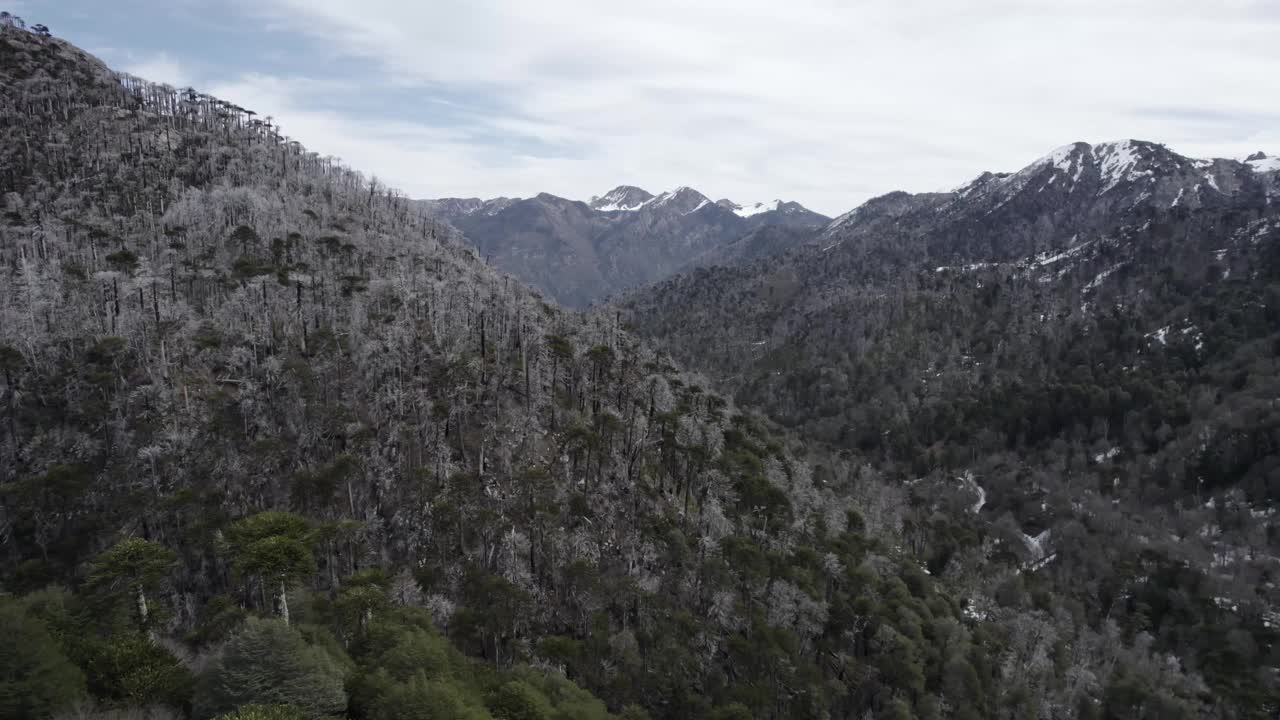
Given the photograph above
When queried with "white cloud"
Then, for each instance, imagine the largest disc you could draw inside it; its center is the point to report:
(821, 101)
(159, 68)
(420, 160)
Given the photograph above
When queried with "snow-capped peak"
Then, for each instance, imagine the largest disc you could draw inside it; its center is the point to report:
(623, 198)
(1113, 163)
(683, 199)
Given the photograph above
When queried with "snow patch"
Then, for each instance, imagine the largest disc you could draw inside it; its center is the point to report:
(1096, 282)
(844, 218)
(617, 200)
(968, 482)
(1270, 164)
(1036, 545)
(964, 268)
(966, 188)
(1062, 158)
(655, 200)
(614, 207)
(1044, 258)
(756, 209)
(1120, 163)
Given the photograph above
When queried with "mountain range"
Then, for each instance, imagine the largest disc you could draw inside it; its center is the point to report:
(1086, 236)
(580, 253)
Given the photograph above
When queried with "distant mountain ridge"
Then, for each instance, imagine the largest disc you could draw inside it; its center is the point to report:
(1092, 267)
(1083, 206)
(580, 252)
(1076, 189)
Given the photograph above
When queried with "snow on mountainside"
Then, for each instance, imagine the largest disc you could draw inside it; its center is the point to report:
(1102, 168)
(683, 200)
(622, 198)
(755, 209)
(1105, 167)
(626, 198)
(580, 252)
(1076, 188)
(1259, 162)
(447, 207)
(780, 207)
(1078, 224)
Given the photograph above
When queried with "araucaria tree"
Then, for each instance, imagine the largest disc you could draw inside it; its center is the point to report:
(132, 568)
(274, 548)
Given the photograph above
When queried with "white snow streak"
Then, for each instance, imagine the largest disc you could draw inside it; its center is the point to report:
(968, 481)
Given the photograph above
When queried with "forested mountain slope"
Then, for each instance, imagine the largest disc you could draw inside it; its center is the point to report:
(579, 252)
(1080, 357)
(242, 381)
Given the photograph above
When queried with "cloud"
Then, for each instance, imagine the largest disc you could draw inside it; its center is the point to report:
(816, 100)
(418, 159)
(159, 68)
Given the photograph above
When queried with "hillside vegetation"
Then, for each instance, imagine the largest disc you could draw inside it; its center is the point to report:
(276, 445)
(1072, 368)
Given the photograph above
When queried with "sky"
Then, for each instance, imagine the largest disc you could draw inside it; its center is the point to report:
(824, 102)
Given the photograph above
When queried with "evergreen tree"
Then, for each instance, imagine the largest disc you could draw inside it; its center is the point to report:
(36, 678)
(131, 569)
(267, 662)
(275, 547)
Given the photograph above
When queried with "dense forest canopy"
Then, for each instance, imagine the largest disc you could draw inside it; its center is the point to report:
(279, 445)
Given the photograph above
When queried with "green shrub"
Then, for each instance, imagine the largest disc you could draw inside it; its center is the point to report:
(268, 662)
(36, 678)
